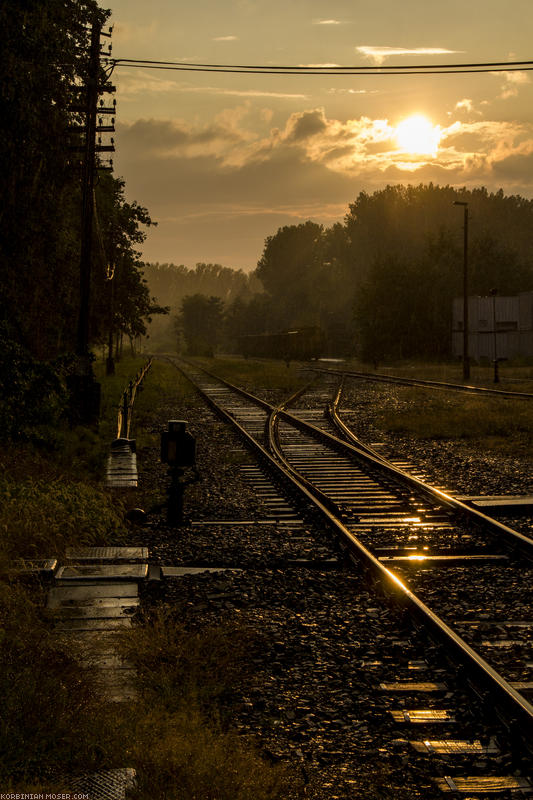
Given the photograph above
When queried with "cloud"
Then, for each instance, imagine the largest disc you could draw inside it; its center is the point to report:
(512, 83)
(327, 22)
(127, 32)
(379, 54)
(235, 179)
(225, 38)
(140, 82)
(237, 139)
(319, 66)
(304, 125)
(242, 92)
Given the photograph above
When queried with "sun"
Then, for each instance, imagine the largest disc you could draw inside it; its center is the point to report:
(417, 135)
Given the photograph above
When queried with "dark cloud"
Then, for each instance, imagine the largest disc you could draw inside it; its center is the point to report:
(211, 212)
(218, 190)
(159, 136)
(516, 168)
(305, 124)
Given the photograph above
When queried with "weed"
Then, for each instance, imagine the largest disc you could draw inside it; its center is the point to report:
(498, 424)
(179, 757)
(52, 719)
(263, 374)
(184, 748)
(39, 518)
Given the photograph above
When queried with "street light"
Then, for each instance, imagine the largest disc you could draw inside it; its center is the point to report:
(466, 360)
(493, 293)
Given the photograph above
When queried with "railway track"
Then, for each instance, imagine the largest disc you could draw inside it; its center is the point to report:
(469, 581)
(441, 385)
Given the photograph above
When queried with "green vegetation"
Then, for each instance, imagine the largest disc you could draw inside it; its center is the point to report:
(173, 283)
(501, 425)
(183, 746)
(381, 285)
(39, 518)
(52, 718)
(44, 63)
(258, 375)
(201, 323)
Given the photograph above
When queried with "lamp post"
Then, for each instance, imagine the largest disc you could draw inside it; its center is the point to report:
(493, 293)
(466, 359)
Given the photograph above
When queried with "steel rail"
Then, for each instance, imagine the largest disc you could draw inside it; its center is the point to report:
(501, 691)
(455, 387)
(511, 537)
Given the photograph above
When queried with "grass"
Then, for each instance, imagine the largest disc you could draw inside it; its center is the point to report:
(52, 718)
(502, 425)
(514, 376)
(258, 374)
(184, 747)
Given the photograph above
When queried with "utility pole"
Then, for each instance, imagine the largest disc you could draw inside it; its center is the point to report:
(85, 391)
(87, 203)
(466, 357)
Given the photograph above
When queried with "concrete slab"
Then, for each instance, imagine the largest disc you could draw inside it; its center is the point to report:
(506, 505)
(413, 686)
(98, 572)
(422, 716)
(421, 561)
(481, 785)
(452, 747)
(61, 594)
(94, 602)
(107, 554)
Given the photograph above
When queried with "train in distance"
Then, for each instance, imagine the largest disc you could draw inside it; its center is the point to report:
(300, 344)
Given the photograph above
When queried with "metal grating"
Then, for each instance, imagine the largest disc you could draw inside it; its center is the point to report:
(450, 747)
(491, 785)
(422, 716)
(111, 784)
(412, 686)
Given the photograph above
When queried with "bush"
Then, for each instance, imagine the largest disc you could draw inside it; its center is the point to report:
(39, 518)
(32, 394)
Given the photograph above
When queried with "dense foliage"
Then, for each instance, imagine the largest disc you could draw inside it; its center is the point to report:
(382, 284)
(171, 283)
(44, 63)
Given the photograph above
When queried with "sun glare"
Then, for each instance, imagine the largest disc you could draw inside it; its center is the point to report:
(417, 135)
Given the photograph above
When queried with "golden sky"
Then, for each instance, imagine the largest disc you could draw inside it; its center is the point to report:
(223, 160)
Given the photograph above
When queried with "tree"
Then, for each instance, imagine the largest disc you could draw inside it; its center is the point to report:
(41, 61)
(121, 298)
(201, 321)
(407, 245)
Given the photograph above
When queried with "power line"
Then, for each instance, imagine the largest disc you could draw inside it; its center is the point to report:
(255, 69)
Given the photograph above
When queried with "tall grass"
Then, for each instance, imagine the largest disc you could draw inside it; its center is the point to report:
(254, 374)
(505, 425)
(184, 745)
(52, 719)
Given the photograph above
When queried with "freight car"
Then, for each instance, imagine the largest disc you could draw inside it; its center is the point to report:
(302, 344)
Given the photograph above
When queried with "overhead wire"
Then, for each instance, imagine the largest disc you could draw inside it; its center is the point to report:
(256, 69)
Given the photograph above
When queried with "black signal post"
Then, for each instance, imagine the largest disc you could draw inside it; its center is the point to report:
(466, 357)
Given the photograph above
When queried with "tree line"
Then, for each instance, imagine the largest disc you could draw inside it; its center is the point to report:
(380, 284)
(44, 65)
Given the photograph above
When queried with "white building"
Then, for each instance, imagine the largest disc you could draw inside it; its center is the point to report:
(498, 327)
